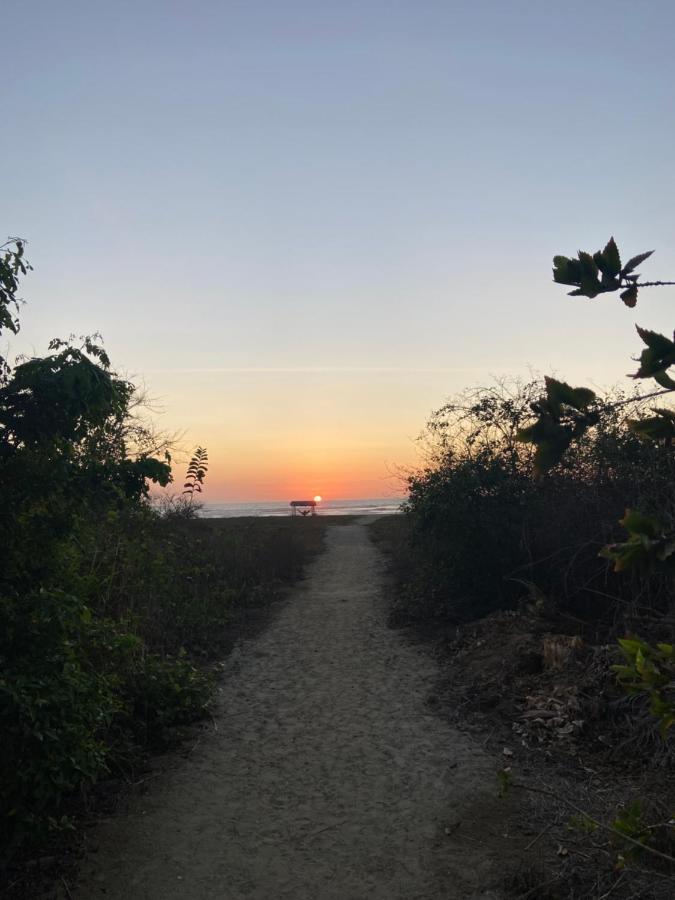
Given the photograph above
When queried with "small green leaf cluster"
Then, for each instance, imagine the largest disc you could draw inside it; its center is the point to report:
(630, 823)
(74, 688)
(564, 414)
(656, 358)
(600, 272)
(649, 543)
(650, 670)
(52, 727)
(657, 428)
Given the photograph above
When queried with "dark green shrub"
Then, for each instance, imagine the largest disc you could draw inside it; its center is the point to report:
(151, 691)
(54, 710)
(75, 694)
(485, 533)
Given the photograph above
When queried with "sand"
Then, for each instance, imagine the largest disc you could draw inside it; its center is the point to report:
(327, 777)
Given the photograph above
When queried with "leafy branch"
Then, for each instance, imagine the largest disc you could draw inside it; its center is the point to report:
(648, 544)
(602, 272)
(565, 413)
(12, 265)
(196, 473)
(650, 670)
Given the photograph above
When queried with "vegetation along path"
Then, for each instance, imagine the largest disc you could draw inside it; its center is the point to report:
(327, 775)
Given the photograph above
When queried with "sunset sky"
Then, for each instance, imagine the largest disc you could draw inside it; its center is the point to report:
(303, 225)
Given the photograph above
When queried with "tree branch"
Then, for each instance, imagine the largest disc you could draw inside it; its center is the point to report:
(641, 398)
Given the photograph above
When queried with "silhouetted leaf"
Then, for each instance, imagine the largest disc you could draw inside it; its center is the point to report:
(658, 356)
(560, 393)
(550, 452)
(664, 379)
(566, 271)
(551, 440)
(655, 428)
(590, 285)
(630, 296)
(611, 259)
(635, 262)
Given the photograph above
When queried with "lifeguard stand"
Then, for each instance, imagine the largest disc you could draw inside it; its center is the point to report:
(303, 507)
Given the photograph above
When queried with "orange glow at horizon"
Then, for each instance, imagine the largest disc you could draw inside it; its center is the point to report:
(250, 474)
(274, 439)
(235, 475)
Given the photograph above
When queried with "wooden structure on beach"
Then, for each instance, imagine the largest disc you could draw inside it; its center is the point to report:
(303, 507)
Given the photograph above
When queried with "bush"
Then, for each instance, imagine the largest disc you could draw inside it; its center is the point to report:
(54, 711)
(485, 533)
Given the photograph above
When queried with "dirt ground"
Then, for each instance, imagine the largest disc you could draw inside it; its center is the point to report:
(575, 745)
(326, 775)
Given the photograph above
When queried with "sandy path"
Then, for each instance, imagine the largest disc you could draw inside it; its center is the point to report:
(327, 779)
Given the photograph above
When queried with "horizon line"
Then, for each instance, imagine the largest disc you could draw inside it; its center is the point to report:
(277, 370)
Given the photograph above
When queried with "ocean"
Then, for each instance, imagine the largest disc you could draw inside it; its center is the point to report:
(370, 507)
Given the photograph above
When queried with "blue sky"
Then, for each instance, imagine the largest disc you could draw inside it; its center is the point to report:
(371, 186)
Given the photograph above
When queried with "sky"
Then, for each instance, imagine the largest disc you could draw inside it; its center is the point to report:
(303, 225)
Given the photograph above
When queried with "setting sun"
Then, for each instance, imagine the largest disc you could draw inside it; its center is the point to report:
(318, 498)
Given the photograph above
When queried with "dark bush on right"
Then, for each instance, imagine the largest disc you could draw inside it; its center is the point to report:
(485, 534)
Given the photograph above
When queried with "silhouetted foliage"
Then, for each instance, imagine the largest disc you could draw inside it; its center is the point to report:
(12, 265)
(196, 473)
(486, 532)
